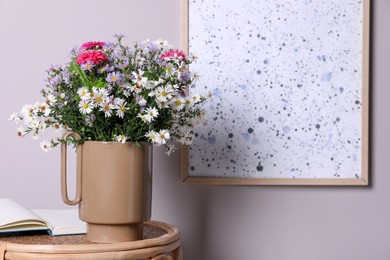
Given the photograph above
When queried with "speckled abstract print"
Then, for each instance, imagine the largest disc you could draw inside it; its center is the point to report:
(286, 83)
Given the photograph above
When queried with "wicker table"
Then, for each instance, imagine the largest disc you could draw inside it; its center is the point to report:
(161, 242)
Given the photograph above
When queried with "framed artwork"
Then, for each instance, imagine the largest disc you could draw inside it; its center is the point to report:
(290, 92)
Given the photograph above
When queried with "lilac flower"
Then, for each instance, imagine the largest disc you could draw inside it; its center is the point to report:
(53, 68)
(183, 92)
(119, 36)
(114, 77)
(66, 76)
(153, 48)
(90, 119)
(185, 76)
(109, 88)
(119, 57)
(88, 65)
(57, 80)
(122, 65)
(105, 68)
(74, 52)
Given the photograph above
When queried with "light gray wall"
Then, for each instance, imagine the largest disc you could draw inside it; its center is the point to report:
(217, 222)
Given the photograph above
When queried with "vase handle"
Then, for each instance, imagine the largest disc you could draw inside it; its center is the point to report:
(64, 187)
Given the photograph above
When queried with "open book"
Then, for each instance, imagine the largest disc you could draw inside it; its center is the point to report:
(14, 217)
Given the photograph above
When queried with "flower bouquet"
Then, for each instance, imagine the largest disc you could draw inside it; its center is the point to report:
(113, 92)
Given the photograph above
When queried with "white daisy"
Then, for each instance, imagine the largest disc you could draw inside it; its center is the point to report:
(178, 103)
(107, 108)
(51, 99)
(170, 69)
(163, 94)
(83, 93)
(161, 43)
(21, 131)
(34, 124)
(139, 60)
(195, 98)
(85, 106)
(188, 102)
(14, 117)
(121, 139)
(44, 108)
(153, 136)
(143, 117)
(45, 146)
(42, 127)
(99, 96)
(163, 136)
(181, 68)
(120, 105)
(139, 78)
(151, 113)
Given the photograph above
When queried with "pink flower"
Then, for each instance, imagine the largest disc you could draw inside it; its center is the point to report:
(171, 54)
(91, 45)
(94, 57)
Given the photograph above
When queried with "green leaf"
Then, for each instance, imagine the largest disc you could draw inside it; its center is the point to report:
(83, 76)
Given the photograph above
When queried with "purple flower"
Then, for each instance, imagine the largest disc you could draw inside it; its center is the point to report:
(88, 65)
(105, 68)
(74, 52)
(183, 92)
(57, 80)
(119, 36)
(122, 65)
(109, 47)
(90, 119)
(52, 68)
(114, 77)
(120, 57)
(66, 76)
(153, 48)
(185, 76)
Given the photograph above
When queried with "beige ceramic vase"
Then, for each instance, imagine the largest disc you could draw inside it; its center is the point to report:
(113, 190)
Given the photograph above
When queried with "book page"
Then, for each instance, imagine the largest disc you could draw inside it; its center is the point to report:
(14, 217)
(62, 221)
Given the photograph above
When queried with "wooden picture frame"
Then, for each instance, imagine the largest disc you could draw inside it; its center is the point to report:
(358, 26)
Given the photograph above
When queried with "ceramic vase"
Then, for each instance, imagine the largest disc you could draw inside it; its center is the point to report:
(113, 188)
